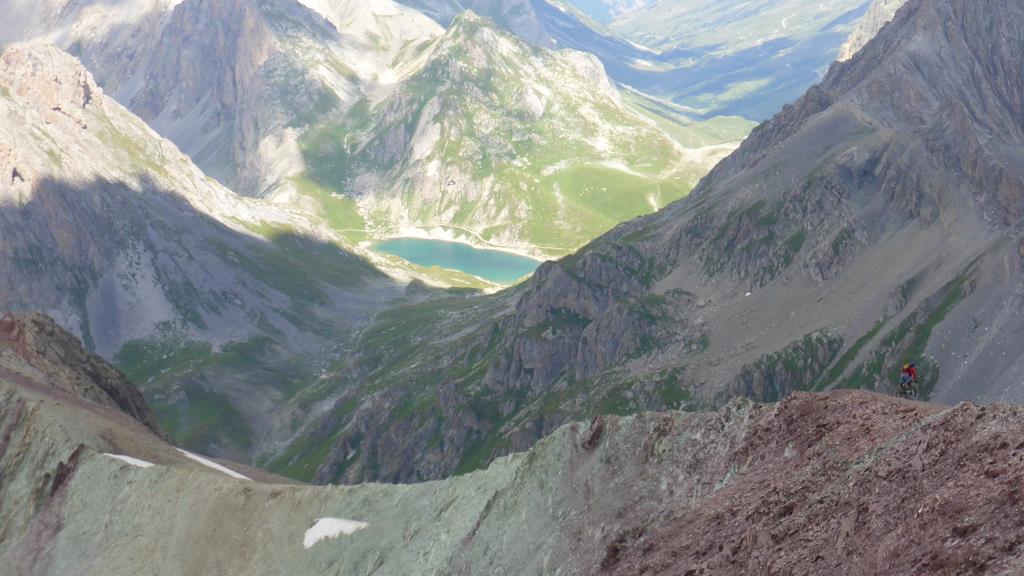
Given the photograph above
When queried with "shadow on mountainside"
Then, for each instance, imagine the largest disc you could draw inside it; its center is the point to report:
(149, 280)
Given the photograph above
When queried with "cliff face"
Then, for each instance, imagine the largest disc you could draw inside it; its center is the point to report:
(847, 482)
(230, 82)
(61, 362)
(880, 13)
(878, 219)
(200, 99)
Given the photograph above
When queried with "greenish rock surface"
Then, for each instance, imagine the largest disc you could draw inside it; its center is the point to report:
(70, 503)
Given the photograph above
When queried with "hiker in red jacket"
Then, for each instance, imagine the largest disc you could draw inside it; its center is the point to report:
(908, 380)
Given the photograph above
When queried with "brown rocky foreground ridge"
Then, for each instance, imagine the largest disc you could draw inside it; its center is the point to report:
(845, 482)
(852, 483)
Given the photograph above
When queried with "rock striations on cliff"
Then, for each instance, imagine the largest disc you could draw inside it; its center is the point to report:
(57, 357)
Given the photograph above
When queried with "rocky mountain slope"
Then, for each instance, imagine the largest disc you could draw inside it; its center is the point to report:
(839, 482)
(304, 103)
(229, 82)
(875, 220)
(115, 233)
(257, 73)
(718, 58)
(880, 13)
(47, 352)
(518, 146)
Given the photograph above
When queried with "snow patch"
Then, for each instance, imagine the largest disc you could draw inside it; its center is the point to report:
(212, 464)
(133, 461)
(330, 528)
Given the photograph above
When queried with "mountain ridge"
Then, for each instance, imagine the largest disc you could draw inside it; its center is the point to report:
(269, 96)
(116, 234)
(708, 67)
(880, 13)
(59, 357)
(613, 495)
(520, 145)
(871, 222)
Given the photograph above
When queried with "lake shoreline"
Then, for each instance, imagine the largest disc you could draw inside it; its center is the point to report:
(450, 233)
(491, 265)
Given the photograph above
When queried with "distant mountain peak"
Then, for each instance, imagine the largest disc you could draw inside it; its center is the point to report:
(880, 13)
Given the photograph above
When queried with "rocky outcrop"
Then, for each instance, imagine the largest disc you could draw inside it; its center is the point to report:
(880, 13)
(798, 366)
(45, 80)
(899, 509)
(65, 365)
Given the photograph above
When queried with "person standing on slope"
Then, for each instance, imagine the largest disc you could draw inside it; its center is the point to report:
(908, 380)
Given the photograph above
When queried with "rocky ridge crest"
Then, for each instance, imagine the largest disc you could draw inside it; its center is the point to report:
(880, 13)
(845, 482)
(62, 363)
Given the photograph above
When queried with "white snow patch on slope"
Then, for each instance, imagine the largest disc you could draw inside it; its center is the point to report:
(330, 528)
(129, 459)
(212, 464)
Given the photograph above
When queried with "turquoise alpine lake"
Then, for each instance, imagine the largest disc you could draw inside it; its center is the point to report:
(493, 265)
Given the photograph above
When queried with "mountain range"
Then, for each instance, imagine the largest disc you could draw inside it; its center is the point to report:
(877, 219)
(718, 58)
(232, 279)
(313, 104)
(197, 323)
